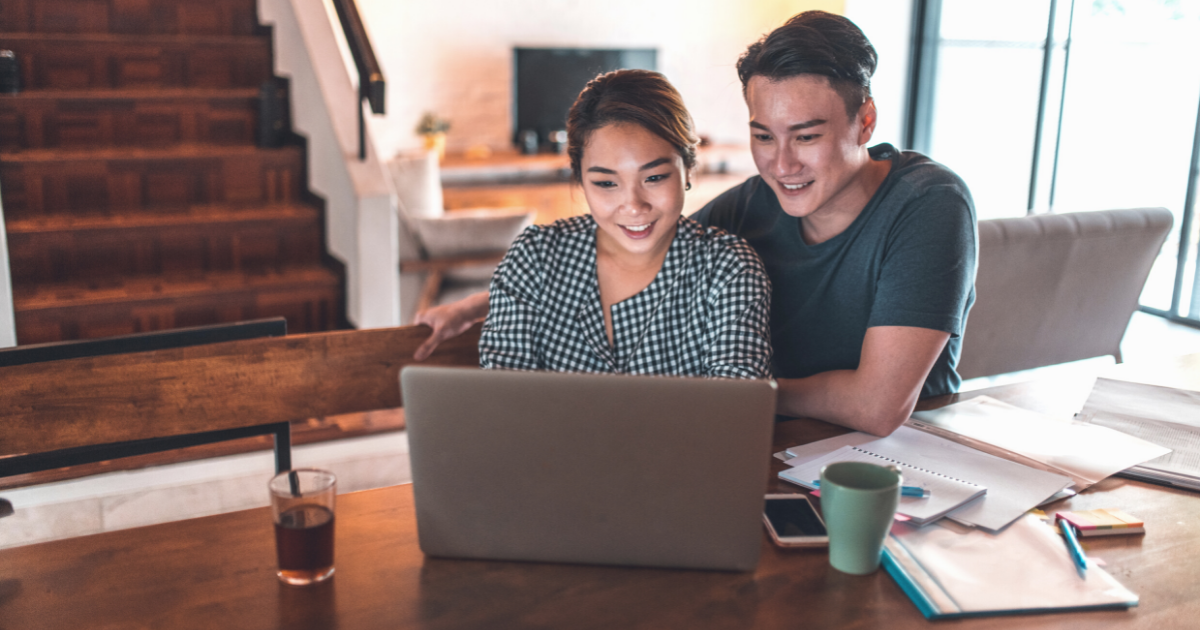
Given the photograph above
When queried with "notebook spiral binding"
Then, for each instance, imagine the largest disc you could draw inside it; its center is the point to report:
(903, 465)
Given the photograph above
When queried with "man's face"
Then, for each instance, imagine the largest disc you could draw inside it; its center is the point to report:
(805, 146)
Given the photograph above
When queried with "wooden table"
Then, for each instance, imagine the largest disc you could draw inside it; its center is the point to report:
(219, 572)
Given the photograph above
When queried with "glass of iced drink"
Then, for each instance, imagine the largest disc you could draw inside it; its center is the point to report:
(302, 504)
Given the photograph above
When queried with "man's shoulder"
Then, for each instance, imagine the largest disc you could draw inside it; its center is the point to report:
(918, 174)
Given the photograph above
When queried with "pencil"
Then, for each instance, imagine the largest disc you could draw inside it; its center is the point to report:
(905, 491)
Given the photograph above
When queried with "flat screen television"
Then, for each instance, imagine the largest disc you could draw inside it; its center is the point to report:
(547, 80)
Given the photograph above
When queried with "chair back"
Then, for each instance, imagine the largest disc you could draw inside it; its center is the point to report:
(1055, 288)
(83, 402)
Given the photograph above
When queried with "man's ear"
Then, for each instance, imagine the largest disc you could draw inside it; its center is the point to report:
(867, 117)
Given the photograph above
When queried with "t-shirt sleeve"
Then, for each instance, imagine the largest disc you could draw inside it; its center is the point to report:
(739, 331)
(928, 268)
(514, 306)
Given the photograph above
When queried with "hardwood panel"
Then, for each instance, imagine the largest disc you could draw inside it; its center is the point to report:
(310, 299)
(110, 61)
(133, 118)
(253, 240)
(308, 431)
(99, 400)
(178, 17)
(40, 183)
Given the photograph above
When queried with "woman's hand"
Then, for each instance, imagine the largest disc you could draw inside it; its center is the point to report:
(450, 320)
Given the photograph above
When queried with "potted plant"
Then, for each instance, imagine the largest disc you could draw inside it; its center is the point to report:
(434, 129)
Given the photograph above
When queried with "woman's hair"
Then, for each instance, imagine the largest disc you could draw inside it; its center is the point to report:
(640, 97)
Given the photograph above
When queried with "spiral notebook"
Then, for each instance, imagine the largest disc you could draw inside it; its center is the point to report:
(1012, 489)
(948, 493)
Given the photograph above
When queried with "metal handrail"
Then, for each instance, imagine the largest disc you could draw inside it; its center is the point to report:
(370, 75)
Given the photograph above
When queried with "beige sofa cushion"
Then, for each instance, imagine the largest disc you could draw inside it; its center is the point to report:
(1058, 287)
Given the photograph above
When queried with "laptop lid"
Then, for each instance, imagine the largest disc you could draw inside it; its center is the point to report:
(590, 468)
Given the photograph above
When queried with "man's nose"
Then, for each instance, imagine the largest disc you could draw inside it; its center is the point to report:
(786, 162)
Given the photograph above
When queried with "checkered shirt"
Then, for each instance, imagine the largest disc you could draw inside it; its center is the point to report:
(706, 313)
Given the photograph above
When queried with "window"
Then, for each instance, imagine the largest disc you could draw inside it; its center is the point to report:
(1065, 105)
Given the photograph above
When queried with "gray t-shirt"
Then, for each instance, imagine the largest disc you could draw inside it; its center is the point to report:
(907, 260)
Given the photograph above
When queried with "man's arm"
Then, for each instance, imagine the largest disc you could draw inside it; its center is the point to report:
(450, 320)
(880, 394)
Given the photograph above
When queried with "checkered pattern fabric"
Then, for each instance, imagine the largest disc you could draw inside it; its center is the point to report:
(707, 313)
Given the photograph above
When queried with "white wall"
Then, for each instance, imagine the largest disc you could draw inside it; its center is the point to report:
(455, 56)
(362, 229)
(8, 327)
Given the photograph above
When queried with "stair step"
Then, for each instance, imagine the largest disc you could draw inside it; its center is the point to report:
(40, 182)
(308, 297)
(62, 248)
(66, 119)
(178, 17)
(90, 61)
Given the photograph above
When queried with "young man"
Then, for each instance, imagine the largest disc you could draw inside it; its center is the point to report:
(871, 251)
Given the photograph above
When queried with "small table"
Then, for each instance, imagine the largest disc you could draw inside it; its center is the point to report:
(219, 571)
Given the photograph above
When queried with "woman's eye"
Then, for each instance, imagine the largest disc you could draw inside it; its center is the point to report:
(604, 183)
(658, 178)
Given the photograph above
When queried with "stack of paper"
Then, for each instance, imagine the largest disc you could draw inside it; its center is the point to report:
(949, 571)
(1163, 415)
(946, 493)
(1087, 453)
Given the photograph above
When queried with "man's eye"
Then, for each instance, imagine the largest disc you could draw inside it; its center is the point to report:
(808, 138)
(762, 137)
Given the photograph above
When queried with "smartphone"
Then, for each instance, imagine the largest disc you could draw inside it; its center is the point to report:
(794, 522)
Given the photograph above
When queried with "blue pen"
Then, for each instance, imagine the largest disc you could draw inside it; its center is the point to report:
(905, 491)
(1073, 547)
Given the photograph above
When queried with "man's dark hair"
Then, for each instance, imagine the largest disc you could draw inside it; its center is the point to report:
(815, 42)
(640, 97)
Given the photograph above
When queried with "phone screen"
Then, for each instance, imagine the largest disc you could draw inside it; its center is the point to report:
(794, 518)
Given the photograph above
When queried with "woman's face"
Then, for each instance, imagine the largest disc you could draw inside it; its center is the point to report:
(633, 181)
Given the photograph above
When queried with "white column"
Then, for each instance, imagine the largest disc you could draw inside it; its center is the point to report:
(8, 325)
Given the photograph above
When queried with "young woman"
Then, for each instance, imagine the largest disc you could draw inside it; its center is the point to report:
(633, 287)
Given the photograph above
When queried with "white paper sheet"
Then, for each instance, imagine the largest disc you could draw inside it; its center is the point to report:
(1088, 453)
(1012, 489)
(1165, 416)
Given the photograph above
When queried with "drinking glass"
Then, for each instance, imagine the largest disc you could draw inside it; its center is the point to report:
(302, 505)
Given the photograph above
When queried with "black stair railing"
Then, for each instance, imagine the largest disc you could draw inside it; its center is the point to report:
(370, 75)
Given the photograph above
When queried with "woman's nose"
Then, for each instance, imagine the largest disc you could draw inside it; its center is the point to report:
(635, 202)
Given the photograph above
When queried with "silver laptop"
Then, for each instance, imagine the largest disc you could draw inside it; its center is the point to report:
(589, 468)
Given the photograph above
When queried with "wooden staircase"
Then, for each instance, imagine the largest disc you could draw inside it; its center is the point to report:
(133, 191)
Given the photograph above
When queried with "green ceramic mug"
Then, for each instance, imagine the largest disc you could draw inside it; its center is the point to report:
(858, 501)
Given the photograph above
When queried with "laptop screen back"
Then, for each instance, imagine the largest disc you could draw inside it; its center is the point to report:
(607, 469)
